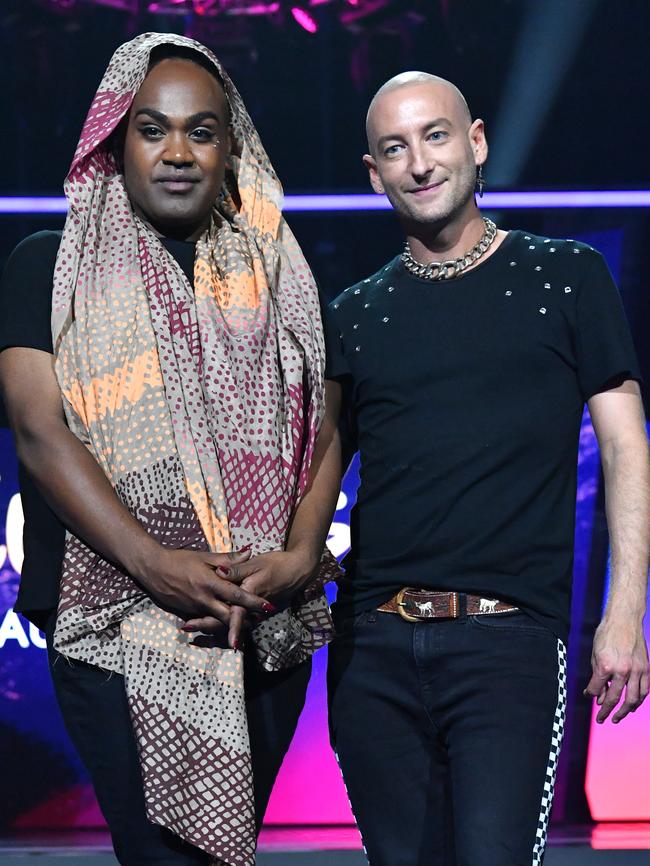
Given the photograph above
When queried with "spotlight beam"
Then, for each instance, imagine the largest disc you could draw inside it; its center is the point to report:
(546, 47)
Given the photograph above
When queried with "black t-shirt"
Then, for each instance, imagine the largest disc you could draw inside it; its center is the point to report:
(467, 397)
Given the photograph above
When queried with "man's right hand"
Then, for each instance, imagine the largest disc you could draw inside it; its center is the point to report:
(199, 583)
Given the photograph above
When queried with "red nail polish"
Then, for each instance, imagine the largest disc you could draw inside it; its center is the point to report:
(235, 645)
(189, 628)
(245, 548)
(224, 569)
(269, 608)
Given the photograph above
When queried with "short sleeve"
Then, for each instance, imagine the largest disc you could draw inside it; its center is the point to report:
(605, 351)
(336, 366)
(26, 293)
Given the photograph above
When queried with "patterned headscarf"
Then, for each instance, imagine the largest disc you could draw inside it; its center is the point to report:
(202, 405)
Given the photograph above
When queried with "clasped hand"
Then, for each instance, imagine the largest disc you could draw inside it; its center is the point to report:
(227, 591)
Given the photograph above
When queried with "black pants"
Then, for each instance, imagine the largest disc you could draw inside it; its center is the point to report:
(448, 734)
(95, 711)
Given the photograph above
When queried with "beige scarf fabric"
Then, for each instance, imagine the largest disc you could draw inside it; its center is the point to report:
(202, 405)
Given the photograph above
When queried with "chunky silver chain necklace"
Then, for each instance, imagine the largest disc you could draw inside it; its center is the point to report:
(452, 267)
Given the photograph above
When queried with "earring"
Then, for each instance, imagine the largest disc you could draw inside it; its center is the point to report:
(480, 181)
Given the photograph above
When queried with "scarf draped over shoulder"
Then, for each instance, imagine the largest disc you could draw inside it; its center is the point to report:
(202, 405)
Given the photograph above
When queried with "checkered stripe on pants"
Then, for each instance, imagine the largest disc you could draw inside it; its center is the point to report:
(551, 769)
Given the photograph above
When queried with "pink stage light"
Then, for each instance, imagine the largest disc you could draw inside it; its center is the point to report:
(304, 19)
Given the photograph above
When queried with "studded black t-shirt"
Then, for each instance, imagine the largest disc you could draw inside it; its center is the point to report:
(467, 397)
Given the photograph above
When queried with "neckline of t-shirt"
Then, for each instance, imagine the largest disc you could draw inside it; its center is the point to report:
(479, 269)
(177, 242)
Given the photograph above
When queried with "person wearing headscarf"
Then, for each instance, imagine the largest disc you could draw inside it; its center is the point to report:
(174, 419)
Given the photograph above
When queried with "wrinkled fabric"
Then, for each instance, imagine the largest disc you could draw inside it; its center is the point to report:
(202, 405)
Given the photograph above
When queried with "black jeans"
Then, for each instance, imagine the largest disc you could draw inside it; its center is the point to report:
(448, 734)
(96, 715)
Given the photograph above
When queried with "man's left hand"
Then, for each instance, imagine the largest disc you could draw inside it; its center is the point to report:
(619, 662)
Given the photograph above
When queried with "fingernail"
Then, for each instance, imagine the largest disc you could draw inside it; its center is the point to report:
(245, 548)
(235, 645)
(189, 628)
(269, 608)
(224, 569)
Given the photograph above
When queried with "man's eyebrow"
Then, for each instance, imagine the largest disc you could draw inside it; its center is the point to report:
(200, 116)
(193, 120)
(439, 121)
(157, 115)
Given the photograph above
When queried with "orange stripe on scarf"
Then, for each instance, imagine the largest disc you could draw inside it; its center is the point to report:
(106, 394)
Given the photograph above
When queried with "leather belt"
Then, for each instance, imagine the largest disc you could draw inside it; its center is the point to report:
(415, 605)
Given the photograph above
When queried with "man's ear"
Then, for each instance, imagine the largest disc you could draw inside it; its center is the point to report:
(375, 181)
(231, 144)
(478, 141)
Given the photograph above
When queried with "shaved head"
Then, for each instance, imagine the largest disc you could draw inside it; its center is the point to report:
(424, 149)
(411, 79)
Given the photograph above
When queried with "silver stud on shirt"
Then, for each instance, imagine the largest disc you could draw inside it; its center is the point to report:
(538, 267)
(357, 348)
(385, 319)
(531, 247)
(547, 241)
(551, 249)
(355, 326)
(391, 288)
(547, 285)
(357, 291)
(527, 237)
(508, 293)
(542, 310)
(336, 306)
(567, 290)
(365, 306)
(512, 264)
(576, 250)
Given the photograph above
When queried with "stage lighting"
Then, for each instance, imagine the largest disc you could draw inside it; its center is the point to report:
(306, 21)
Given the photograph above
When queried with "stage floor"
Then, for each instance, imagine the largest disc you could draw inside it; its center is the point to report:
(606, 844)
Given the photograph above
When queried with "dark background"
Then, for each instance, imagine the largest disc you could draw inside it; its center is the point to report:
(308, 93)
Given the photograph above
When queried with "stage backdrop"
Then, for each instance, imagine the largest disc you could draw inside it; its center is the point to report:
(46, 786)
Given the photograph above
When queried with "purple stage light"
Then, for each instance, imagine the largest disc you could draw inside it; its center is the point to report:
(32, 204)
(370, 202)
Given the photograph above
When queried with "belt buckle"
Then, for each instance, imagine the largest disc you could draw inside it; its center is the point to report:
(399, 599)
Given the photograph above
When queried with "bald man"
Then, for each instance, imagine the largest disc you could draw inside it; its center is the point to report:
(466, 362)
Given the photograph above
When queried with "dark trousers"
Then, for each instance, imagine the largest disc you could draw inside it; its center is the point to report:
(448, 734)
(95, 711)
